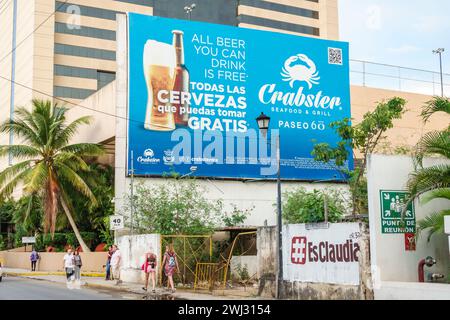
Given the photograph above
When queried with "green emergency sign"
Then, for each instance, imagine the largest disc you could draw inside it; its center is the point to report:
(392, 205)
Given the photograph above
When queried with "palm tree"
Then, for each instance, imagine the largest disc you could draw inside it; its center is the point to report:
(47, 162)
(433, 181)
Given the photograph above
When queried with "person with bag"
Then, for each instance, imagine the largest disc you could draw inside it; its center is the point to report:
(34, 257)
(69, 267)
(170, 264)
(149, 268)
(77, 265)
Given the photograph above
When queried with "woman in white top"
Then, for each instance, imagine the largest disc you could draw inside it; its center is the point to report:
(69, 267)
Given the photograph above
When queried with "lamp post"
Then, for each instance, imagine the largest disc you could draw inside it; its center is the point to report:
(263, 125)
(439, 51)
(189, 9)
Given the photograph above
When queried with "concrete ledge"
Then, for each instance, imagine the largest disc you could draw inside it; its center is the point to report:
(391, 290)
(37, 274)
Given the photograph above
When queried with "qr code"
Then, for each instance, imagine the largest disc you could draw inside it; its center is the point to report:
(334, 56)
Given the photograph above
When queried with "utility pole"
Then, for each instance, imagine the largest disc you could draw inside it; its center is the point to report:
(439, 51)
(132, 194)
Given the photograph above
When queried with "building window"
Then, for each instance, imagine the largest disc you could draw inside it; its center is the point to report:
(280, 8)
(73, 93)
(68, 71)
(104, 78)
(88, 11)
(147, 3)
(279, 25)
(86, 31)
(85, 52)
(216, 11)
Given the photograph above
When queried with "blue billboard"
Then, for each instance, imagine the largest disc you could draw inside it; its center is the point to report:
(196, 89)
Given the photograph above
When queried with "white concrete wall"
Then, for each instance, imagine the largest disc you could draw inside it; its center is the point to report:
(390, 261)
(133, 260)
(250, 262)
(412, 291)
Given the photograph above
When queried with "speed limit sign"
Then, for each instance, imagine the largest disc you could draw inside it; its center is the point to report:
(116, 222)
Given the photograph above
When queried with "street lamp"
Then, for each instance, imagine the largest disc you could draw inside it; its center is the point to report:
(189, 9)
(439, 51)
(263, 125)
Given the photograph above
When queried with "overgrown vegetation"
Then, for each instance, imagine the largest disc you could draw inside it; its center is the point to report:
(179, 206)
(302, 206)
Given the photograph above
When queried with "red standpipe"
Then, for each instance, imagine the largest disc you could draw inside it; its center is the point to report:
(420, 270)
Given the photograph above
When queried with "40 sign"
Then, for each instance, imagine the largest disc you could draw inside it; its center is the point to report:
(392, 205)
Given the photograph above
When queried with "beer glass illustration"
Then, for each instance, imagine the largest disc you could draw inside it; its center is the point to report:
(159, 69)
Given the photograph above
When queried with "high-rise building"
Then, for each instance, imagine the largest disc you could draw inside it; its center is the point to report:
(67, 49)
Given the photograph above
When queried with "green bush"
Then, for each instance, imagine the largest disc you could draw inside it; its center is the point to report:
(302, 206)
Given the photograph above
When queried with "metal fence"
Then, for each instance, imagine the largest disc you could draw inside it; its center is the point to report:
(390, 77)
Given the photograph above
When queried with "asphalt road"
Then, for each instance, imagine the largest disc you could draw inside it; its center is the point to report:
(15, 288)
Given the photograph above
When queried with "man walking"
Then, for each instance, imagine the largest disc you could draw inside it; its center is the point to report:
(34, 257)
(116, 260)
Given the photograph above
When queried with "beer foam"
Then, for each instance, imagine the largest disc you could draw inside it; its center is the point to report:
(159, 53)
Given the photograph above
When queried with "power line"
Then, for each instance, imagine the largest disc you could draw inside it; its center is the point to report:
(34, 31)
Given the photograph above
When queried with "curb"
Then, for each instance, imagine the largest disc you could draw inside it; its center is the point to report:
(34, 274)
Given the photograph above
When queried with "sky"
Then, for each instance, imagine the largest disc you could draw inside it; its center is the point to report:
(397, 32)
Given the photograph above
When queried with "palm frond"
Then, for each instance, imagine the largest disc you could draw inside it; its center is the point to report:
(37, 178)
(14, 170)
(8, 188)
(434, 223)
(437, 104)
(428, 179)
(66, 133)
(21, 130)
(85, 149)
(433, 143)
(76, 181)
(443, 193)
(19, 151)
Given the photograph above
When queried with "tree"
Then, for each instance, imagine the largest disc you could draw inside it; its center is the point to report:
(434, 181)
(47, 161)
(363, 137)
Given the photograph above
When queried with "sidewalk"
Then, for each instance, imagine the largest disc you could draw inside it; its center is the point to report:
(95, 280)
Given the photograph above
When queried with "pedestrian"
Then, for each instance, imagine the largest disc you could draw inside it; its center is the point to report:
(34, 257)
(108, 264)
(69, 267)
(170, 263)
(149, 268)
(77, 264)
(116, 260)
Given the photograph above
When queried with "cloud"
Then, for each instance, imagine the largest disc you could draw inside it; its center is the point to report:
(404, 49)
(433, 23)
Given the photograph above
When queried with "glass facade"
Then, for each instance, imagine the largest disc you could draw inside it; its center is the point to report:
(280, 8)
(279, 25)
(73, 93)
(68, 71)
(85, 31)
(216, 11)
(85, 52)
(104, 78)
(87, 11)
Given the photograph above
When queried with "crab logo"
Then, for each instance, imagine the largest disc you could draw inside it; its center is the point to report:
(149, 153)
(306, 71)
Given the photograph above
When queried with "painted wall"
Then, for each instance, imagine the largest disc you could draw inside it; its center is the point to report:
(133, 260)
(322, 255)
(390, 261)
(53, 261)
